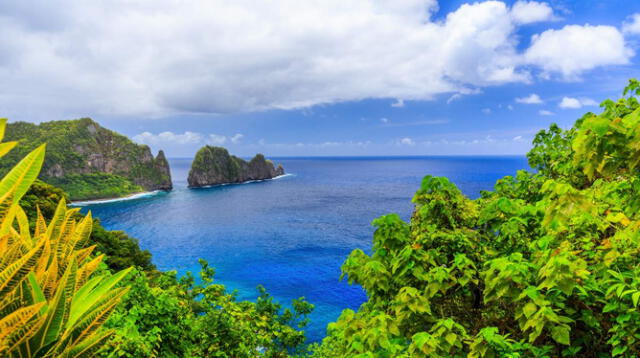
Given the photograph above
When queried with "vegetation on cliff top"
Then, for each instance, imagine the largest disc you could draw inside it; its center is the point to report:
(88, 161)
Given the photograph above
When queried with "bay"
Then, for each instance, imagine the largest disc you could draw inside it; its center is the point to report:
(291, 234)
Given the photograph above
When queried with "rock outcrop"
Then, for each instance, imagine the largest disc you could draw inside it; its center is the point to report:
(214, 166)
(81, 151)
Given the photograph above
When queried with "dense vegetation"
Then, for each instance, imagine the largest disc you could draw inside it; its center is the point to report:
(83, 186)
(121, 250)
(163, 316)
(88, 161)
(547, 265)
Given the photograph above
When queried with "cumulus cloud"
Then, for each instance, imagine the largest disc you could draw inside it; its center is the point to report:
(399, 103)
(526, 12)
(168, 137)
(384, 120)
(236, 138)
(544, 112)
(575, 103)
(161, 57)
(407, 141)
(574, 49)
(632, 26)
(531, 99)
(216, 139)
(186, 138)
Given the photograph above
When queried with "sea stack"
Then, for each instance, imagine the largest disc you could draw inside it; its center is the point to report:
(214, 166)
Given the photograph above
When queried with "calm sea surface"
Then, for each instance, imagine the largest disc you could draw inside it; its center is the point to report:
(292, 234)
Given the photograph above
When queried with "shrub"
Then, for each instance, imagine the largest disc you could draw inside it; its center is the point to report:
(546, 265)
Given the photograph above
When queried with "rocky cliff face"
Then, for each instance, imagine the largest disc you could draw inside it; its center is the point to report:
(82, 149)
(214, 165)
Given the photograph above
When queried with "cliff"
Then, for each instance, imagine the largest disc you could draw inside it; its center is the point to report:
(214, 165)
(87, 160)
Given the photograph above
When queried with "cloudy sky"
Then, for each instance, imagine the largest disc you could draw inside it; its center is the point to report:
(317, 77)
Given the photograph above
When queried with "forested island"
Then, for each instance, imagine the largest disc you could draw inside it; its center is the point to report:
(545, 265)
(87, 160)
(215, 166)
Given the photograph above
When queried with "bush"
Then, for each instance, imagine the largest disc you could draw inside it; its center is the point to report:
(546, 265)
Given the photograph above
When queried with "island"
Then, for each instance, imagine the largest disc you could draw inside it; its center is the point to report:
(215, 166)
(88, 161)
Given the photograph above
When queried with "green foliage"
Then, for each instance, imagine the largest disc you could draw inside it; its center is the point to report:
(121, 250)
(167, 317)
(88, 161)
(95, 185)
(546, 265)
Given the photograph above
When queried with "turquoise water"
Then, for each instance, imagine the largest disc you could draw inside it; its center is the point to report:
(290, 234)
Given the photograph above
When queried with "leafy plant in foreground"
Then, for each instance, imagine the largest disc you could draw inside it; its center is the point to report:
(51, 302)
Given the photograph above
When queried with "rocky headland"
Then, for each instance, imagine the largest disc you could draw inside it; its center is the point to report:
(89, 161)
(214, 166)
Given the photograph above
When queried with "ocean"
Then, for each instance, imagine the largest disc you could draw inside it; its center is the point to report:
(291, 234)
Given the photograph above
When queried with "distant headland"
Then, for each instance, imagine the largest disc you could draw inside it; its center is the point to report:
(89, 161)
(215, 166)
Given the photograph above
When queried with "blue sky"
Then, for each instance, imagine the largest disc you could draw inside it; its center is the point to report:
(362, 77)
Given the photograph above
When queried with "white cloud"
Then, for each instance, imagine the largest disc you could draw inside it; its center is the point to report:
(531, 99)
(632, 26)
(517, 138)
(215, 139)
(407, 141)
(544, 112)
(236, 138)
(526, 12)
(510, 107)
(186, 138)
(161, 57)
(575, 103)
(588, 102)
(454, 97)
(168, 137)
(399, 103)
(574, 49)
(486, 111)
(384, 120)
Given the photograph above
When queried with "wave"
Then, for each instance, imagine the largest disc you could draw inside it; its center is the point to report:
(135, 196)
(246, 182)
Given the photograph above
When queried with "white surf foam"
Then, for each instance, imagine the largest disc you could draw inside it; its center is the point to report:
(145, 194)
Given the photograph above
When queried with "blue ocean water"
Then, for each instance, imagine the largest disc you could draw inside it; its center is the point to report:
(292, 234)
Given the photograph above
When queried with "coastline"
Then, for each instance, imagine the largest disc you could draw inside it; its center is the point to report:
(241, 183)
(134, 196)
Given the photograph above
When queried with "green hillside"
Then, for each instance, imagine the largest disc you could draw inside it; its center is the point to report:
(87, 160)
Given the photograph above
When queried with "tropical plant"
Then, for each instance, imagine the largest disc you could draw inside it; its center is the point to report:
(546, 265)
(51, 302)
(167, 316)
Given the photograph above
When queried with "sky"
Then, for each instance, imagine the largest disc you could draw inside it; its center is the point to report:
(318, 77)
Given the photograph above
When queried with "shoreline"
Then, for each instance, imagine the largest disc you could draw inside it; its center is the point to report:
(134, 196)
(241, 183)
